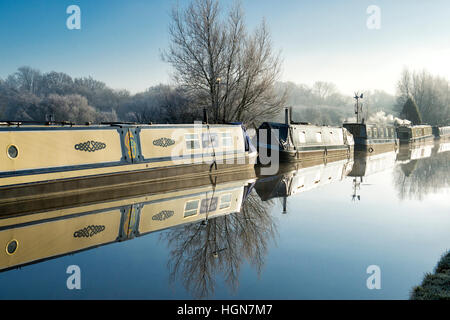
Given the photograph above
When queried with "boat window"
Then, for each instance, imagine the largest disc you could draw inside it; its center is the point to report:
(225, 201)
(227, 140)
(191, 208)
(319, 137)
(302, 136)
(375, 132)
(210, 140)
(13, 152)
(208, 205)
(192, 141)
(369, 133)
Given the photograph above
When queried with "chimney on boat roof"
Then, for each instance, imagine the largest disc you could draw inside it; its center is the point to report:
(205, 116)
(287, 115)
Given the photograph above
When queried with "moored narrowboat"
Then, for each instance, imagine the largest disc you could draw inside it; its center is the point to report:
(415, 133)
(373, 138)
(291, 141)
(101, 154)
(441, 132)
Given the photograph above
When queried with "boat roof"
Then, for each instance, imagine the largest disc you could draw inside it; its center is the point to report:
(368, 124)
(416, 126)
(295, 124)
(275, 124)
(31, 124)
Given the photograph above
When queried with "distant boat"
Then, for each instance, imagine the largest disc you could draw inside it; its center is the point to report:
(64, 156)
(302, 141)
(373, 138)
(441, 132)
(415, 133)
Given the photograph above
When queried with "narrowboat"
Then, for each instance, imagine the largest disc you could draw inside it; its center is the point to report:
(418, 133)
(32, 233)
(65, 156)
(441, 132)
(291, 141)
(373, 138)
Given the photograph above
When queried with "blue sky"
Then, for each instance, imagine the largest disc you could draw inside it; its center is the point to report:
(120, 41)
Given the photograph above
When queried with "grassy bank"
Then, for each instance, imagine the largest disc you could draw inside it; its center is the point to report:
(435, 286)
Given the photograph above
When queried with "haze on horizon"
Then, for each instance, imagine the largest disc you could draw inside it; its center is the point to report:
(120, 43)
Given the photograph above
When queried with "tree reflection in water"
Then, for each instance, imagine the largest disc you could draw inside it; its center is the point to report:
(417, 178)
(199, 251)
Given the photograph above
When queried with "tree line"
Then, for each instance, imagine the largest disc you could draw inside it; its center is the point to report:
(30, 95)
(423, 97)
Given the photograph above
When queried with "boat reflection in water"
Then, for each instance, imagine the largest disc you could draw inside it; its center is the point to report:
(293, 179)
(367, 164)
(32, 230)
(416, 151)
(422, 170)
(444, 146)
(209, 225)
(198, 252)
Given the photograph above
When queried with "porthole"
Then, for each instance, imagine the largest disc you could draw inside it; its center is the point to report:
(11, 247)
(13, 152)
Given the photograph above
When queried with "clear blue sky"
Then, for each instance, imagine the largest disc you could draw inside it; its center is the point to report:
(120, 41)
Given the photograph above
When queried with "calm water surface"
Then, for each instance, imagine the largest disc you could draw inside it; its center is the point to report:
(308, 233)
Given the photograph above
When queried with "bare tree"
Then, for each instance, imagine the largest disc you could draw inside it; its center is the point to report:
(223, 67)
(431, 93)
(199, 251)
(72, 108)
(26, 79)
(324, 89)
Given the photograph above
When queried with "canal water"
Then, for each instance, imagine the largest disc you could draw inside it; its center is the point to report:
(315, 231)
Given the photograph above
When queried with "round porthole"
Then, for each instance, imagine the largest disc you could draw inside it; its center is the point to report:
(13, 152)
(11, 247)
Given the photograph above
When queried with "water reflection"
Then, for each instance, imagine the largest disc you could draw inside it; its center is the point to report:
(210, 229)
(46, 233)
(422, 169)
(199, 252)
(367, 164)
(293, 179)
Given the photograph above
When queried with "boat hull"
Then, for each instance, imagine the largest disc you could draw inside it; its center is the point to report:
(309, 154)
(417, 140)
(376, 147)
(65, 158)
